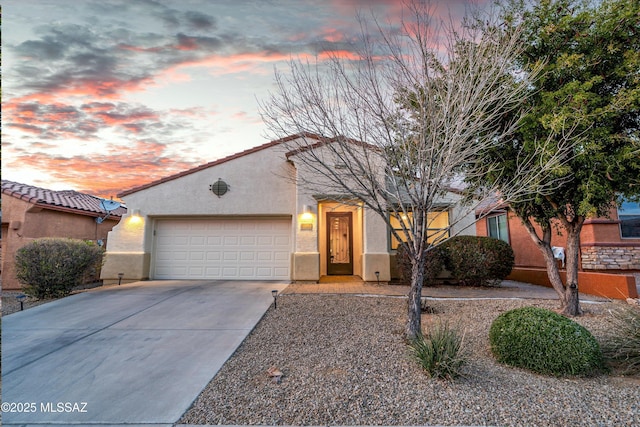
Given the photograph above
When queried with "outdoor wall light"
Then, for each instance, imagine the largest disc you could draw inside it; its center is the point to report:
(306, 219)
(307, 213)
(136, 216)
(120, 276)
(274, 293)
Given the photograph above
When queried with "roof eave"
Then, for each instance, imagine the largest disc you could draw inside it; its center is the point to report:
(214, 163)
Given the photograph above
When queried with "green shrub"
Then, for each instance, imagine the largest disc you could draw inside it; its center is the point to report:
(623, 346)
(52, 267)
(433, 267)
(440, 352)
(478, 261)
(544, 342)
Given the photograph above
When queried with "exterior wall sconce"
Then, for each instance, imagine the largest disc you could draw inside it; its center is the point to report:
(136, 216)
(306, 219)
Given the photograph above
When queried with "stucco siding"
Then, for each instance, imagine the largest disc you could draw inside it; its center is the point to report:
(260, 185)
(257, 187)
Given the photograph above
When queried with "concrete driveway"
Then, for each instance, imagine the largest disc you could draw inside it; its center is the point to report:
(131, 354)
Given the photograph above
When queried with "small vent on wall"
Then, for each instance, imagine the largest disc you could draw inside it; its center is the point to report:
(219, 188)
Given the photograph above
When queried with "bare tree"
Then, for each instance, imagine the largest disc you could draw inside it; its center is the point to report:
(406, 122)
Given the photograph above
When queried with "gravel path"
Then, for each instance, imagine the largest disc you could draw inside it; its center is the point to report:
(345, 363)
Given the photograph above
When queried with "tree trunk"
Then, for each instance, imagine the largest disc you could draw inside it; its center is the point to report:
(414, 319)
(544, 244)
(553, 273)
(568, 295)
(571, 301)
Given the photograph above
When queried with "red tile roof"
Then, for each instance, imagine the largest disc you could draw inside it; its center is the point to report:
(66, 200)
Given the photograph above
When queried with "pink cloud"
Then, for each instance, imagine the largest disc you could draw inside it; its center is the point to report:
(108, 174)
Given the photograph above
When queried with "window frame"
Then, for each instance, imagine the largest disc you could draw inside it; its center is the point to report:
(620, 213)
(506, 221)
(391, 237)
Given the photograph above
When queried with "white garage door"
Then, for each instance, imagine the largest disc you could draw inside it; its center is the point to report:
(235, 249)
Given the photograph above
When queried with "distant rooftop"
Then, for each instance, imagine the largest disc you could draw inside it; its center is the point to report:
(65, 200)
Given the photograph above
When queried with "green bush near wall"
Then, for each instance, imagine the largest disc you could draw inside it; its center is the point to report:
(478, 261)
(52, 267)
(544, 342)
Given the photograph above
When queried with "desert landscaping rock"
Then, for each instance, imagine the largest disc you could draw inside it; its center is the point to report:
(345, 362)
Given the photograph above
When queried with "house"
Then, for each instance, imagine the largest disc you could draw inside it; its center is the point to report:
(30, 213)
(609, 250)
(244, 217)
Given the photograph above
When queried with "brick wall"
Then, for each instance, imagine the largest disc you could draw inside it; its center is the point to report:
(610, 258)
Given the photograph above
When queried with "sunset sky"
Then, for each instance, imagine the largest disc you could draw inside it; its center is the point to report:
(101, 96)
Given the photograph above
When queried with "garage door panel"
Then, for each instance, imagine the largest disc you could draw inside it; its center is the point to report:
(246, 271)
(214, 240)
(180, 255)
(280, 271)
(197, 240)
(196, 271)
(250, 226)
(248, 240)
(264, 256)
(230, 240)
(242, 249)
(180, 240)
(281, 256)
(281, 240)
(213, 272)
(265, 240)
(247, 256)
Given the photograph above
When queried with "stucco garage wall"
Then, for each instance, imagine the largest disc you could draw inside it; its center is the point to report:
(259, 186)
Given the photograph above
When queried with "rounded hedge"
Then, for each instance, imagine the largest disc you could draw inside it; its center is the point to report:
(477, 260)
(544, 342)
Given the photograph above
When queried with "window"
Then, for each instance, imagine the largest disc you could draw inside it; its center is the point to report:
(497, 227)
(629, 216)
(438, 223)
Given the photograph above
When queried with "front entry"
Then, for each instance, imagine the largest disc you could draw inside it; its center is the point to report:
(339, 243)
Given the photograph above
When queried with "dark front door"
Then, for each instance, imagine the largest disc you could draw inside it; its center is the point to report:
(339, 243)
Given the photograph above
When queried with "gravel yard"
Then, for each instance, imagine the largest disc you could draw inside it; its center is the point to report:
(10, 304)
(345, 362)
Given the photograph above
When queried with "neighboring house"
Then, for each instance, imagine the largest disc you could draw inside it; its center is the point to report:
(241, 218)
(607, 245)
(30, 213)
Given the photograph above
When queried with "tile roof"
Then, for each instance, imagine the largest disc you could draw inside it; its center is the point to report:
(66, 200)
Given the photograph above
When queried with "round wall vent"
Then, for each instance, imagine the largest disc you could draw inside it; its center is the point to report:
(219, 188)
